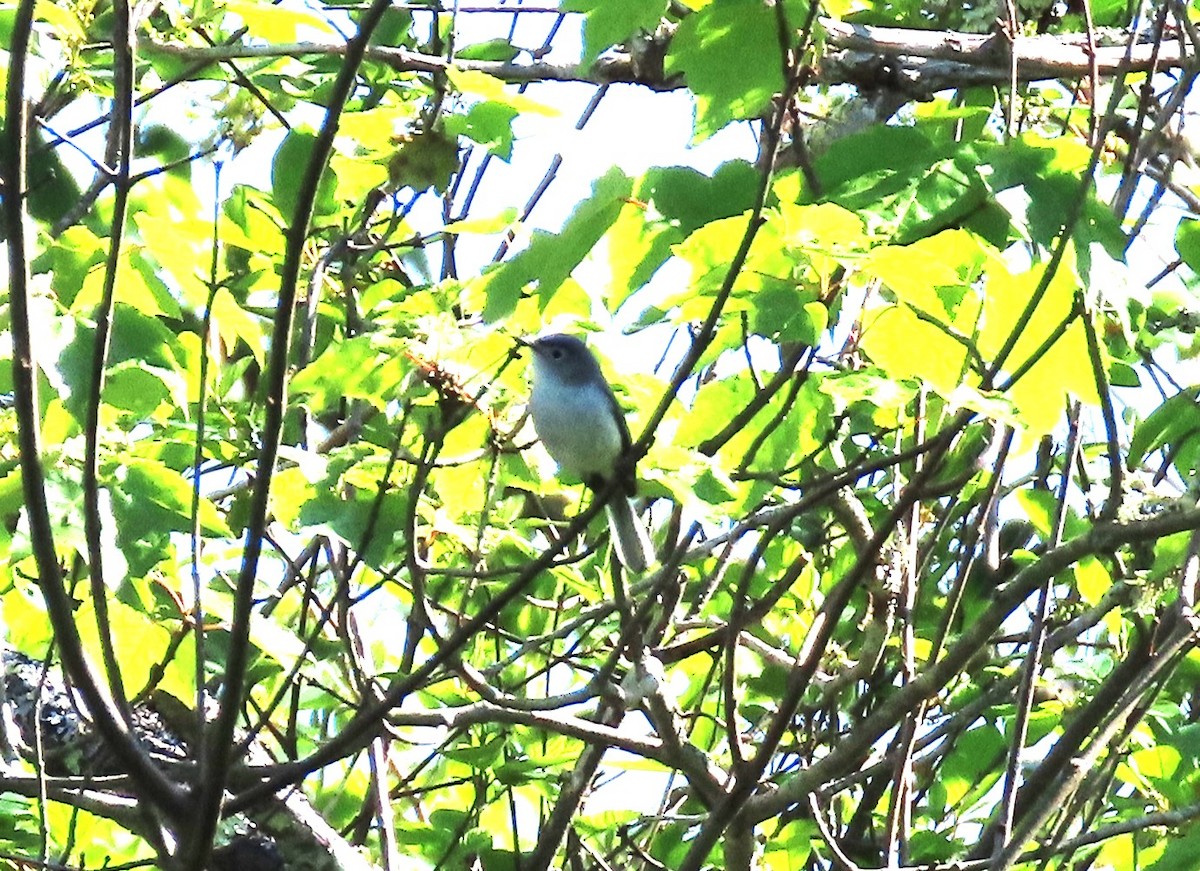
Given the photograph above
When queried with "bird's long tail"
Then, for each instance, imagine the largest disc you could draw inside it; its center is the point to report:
(629, 535)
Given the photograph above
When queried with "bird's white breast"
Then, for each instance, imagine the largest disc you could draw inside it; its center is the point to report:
(576, 425)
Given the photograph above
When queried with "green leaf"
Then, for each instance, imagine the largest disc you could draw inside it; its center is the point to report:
(689, 199)
(612, 22)
(492, 49)
(233, 322)
(1187, 243)
(1157, 763)
(710, 409)
(139, 284)
(712, 489)
(352, 517)
(969, 765)
(917, 272)
(785, 313)
(159, 140)
(287, 171)
(65, 353)
(1175, 427)
(790, 846)
(1047, 171)
(729, 55)
(180, 247)
(139, 390)
(637, 246)
(1065, 369)
(485, 226)
(1038, 507)
(71, 257)
(1178, 853)
(364, 367)
(155, 499)
(1121, 374)
(394, 28)
(489, 123)
(63, 18)
(889, 335)
(963, 118)
(870, 386)
(291, 490)
(709, 251)
(825, 229)
(551, 258)
(646, 233)
(867, 170)
(274, 638)
(140, 641)
(945, 194)
(481, 758)
(668, 203)
(52, 188)
(373, 131)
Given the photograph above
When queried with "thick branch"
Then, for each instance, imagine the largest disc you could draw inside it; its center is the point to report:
(917, 61)
(1044, 56)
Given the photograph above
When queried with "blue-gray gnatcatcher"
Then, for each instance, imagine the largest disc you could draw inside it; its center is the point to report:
(583, 429)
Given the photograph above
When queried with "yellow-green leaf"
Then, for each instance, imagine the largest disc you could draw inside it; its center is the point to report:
(891, 336)
(1091, 579)
(480, 84)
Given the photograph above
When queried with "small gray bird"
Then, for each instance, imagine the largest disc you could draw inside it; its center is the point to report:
(583, 429)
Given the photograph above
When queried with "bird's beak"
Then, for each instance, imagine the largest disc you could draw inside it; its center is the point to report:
(523, 342)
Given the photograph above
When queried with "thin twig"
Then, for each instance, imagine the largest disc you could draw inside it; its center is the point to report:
(119, 153)
(1032, 666)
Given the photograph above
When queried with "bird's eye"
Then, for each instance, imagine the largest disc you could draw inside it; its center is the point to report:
(557, 354)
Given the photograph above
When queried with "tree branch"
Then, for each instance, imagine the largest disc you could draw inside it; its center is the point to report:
(1100, 539)
(215, 757)
(59, 606)
(917, 61)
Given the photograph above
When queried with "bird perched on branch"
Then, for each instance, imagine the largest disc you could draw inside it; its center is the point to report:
(583, 429)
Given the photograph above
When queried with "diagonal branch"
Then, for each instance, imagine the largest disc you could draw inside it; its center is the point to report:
(215, 757)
